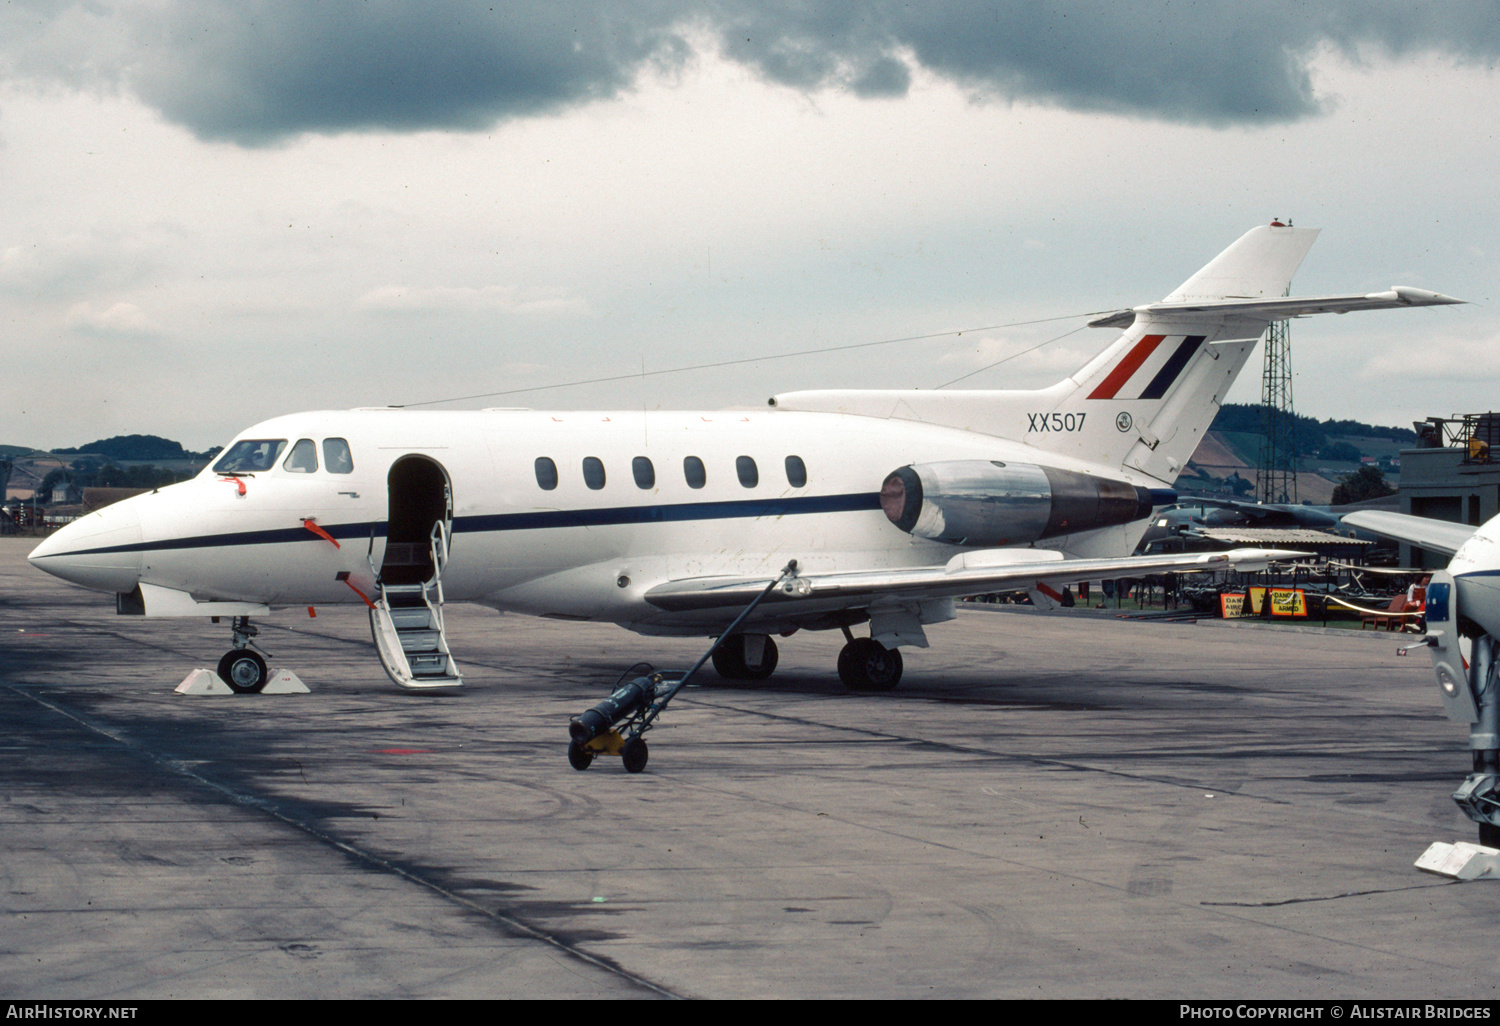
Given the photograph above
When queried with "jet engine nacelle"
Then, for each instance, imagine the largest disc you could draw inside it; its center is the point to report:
(989, 503)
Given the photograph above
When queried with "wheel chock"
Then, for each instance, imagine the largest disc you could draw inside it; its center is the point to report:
(1461, 861)
(203, 682)
(284, 682)
(207, 682)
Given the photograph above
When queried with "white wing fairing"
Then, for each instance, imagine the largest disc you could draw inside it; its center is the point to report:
(1437, 535)
(969, 574)
(882, 505)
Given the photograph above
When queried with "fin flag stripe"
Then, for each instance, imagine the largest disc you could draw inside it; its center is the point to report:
(1173, 367)
(1126, 367)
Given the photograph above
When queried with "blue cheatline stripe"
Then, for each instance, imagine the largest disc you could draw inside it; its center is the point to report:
(541, 520)
(1173, 367)
(791, 506)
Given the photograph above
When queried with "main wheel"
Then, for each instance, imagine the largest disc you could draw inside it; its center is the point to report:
(635, 754)
(867, 665)
(243, 670)
(579, 757)
(768, 659)
(729, 660)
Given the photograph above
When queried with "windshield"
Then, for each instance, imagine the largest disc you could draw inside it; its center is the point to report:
(250, 455)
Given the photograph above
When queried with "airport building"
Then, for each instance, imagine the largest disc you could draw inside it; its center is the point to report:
(1453, 475)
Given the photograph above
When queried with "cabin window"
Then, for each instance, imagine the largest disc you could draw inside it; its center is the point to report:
(250, 455)
(796, 472)
(303, 459)
(336, 457)
(593, 472)
(645, 473)
(745, 467)
(546, 473)
(692, 469)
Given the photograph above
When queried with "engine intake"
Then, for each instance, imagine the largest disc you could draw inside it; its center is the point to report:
(989, 503)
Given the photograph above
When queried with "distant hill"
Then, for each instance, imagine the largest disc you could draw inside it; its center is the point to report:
(135, 447)
(1312, 436)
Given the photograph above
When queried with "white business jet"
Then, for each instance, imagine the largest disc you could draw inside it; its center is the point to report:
(891, 503)
(1463, 605)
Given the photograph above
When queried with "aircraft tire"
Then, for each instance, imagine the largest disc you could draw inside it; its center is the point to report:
(767, 665)
(729, 659)
(1489, 835)
(579, 757)
(243, 670)
(867, 665)
(635, 755)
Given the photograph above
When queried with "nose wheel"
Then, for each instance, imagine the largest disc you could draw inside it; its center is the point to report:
(242, 668)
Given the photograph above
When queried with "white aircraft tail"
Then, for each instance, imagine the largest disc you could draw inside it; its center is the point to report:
(1144, 403)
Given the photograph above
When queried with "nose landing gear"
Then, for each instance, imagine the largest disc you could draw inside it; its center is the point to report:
(242, 668)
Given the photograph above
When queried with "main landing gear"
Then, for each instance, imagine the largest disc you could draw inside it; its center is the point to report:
(867, 665)
(745, 657)
(243, 668)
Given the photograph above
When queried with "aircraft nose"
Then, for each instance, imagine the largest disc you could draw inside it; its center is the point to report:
(100, 551)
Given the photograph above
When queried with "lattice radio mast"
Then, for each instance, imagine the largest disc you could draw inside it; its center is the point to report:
(1276, 476)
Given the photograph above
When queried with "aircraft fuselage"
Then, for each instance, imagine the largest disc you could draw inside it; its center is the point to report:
(767, 487)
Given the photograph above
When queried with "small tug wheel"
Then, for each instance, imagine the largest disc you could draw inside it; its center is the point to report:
(579, 757)
(243, 670)
(635, 754)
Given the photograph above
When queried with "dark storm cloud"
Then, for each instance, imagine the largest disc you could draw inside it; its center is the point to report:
(255, 72)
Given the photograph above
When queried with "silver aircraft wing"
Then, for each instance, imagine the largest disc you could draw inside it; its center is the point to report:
(968, 573)
(1437, 535)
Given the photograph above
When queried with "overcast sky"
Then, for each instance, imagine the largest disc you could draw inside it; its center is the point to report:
(213, 213)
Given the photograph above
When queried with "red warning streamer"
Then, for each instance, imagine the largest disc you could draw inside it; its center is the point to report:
(312, 525)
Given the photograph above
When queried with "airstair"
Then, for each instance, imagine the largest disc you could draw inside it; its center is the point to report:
(407, 622)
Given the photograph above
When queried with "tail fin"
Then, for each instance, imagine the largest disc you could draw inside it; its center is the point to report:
(1144, 403)
(1259, 265)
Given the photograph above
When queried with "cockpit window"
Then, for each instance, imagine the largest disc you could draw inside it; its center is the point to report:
(303, 459)
(250, 455)
(336, 458)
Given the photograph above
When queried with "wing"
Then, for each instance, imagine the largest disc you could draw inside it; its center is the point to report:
(1437, 535)
(969, 573)
(1278, 309)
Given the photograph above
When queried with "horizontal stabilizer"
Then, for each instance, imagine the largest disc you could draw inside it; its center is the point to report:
(1423, 532)
(1395, 297)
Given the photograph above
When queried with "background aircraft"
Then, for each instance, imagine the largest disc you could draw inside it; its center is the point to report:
(1463, 604)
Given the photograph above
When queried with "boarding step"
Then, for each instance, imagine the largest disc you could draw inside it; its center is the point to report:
(407, 624)
(419, 640)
